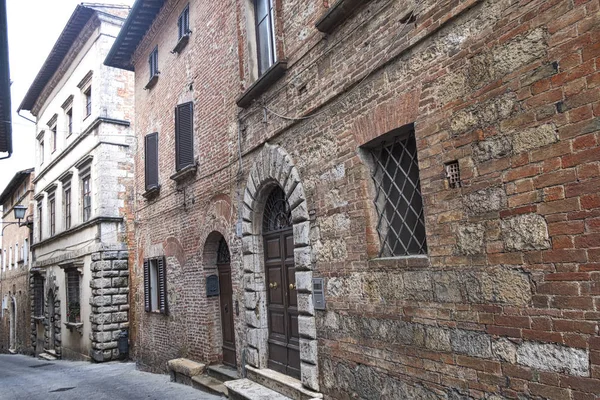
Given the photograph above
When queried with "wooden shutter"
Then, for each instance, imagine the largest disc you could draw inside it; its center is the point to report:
(147, 285)
(162, 285)
(184, 135)
(151, 158)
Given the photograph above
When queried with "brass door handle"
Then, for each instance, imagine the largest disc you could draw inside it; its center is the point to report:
(273, 285)
(292, 286)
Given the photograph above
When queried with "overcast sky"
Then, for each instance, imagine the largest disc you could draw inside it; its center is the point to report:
(33, 28)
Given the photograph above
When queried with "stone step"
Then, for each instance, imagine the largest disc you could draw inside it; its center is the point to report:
(209, 384)
(47, 357)
(222, 372)
(281, 383)
(245, 389)
(52, 352)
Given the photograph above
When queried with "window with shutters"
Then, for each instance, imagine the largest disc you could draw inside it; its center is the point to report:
(53, 137)
(398, 199)
(67, 206)
(52, 214)
(153, 68)
(42, 151)
(86, 197)
(88, 101)
(40, 219)
(151, 162)
(184, 136)
(69, 115)
(73, 278)
(155, 285)
(38, 295)
(183, 22)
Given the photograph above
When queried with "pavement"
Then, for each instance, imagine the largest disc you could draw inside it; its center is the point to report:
(27, 378)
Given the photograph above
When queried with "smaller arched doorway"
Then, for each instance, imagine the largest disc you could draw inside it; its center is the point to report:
(226, 303)
(51, 323)
(13, 324)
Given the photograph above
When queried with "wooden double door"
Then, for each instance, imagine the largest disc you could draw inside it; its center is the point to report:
(284, 341)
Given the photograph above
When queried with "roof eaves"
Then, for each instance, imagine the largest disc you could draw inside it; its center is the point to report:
(5, 105)
(14, 183)
(142, 15)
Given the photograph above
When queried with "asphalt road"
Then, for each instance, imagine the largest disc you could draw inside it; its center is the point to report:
(27, 378)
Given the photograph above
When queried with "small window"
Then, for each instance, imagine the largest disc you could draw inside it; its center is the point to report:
(155, 285)
(88, 101)
(265, 34)
(67, 206)
(86, 197)
(73, 295)
(26, 251)
(153, 62)
(398, 199)
(40, 219)
(184, 135)
(151, 161)
(41, 152)
(453, 174)
(38, 295)
(69, 115)
(52, 212)
(183, 23)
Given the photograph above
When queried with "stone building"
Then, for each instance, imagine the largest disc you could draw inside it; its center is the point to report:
(83, 190)
(404, 194)
(15, 261)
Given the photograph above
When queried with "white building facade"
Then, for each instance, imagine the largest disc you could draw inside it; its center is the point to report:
(83, 191)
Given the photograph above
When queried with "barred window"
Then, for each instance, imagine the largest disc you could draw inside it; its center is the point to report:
(38, 295)
(398, 199)
(73, 295)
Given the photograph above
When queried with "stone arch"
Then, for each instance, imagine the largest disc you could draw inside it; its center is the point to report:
(272, 167)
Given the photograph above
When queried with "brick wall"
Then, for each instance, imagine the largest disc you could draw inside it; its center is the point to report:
(506, 302)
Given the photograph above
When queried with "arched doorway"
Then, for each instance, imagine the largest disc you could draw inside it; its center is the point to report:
(51, 324)
(226, 303)
(282, 301)
(13, 324)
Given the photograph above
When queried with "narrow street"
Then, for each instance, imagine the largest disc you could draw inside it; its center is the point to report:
(27, 378)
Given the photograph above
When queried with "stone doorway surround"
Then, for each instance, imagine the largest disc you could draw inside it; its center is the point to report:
(274, 166)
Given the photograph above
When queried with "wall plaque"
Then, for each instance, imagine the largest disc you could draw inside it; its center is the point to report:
(212, 285)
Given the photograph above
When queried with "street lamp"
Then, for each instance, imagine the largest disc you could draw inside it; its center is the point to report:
(19, 212)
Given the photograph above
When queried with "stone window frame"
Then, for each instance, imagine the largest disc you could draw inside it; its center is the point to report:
(53, 127)
(85, 85)
(38, 295)
(274, 166)
(52, 213)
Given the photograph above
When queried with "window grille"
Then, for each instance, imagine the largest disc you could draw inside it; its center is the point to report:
(277, 214)
(223, 252)
(453, 174)
(398, 199)
(38, 295)
(73, 296)
(183, 23)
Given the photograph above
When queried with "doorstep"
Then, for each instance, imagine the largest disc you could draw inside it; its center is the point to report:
(281, 383)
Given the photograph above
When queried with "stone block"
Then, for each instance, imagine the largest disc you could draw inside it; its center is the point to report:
(418, 285)
(110, 255)
(303, 259)
(525, 232)
(437, 339)
(485, 201)
(100, 283)
(301, 234)
(100, 301)
(446, 287)
(469, 239)
(252, 357)
(119, 299)
(495, 147)
(101, 292)
(121, 265)
(554, 358)
(120, 282)
(308, 351)
(101, 266)
(307, 327)
(251, 300)
(534, 138)
(305, 303)
(185, 367)
(96, 256)
(504, 350)
(257, 338)
(251, 263)
(309, 375)
(304, 281)
(119, 316)
(474, 344)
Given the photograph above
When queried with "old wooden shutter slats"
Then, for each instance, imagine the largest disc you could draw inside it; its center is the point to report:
(184, 135)
(147, 285)
(162, 285)
(151, 156)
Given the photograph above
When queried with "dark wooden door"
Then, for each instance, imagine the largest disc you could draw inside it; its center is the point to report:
(227, 327)
(226, 303)
(284, 354)
(51, 324)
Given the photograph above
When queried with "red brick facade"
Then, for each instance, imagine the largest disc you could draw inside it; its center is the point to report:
(506, 301)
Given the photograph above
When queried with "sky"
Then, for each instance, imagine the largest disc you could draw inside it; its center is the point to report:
(33, 28)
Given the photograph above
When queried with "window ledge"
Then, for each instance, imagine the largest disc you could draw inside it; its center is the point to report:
(152, 82)
(151, 193)
(337, 13)
(267, 79)
(181, 43)
(185, 173)
(39, 318)
(74, 325)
